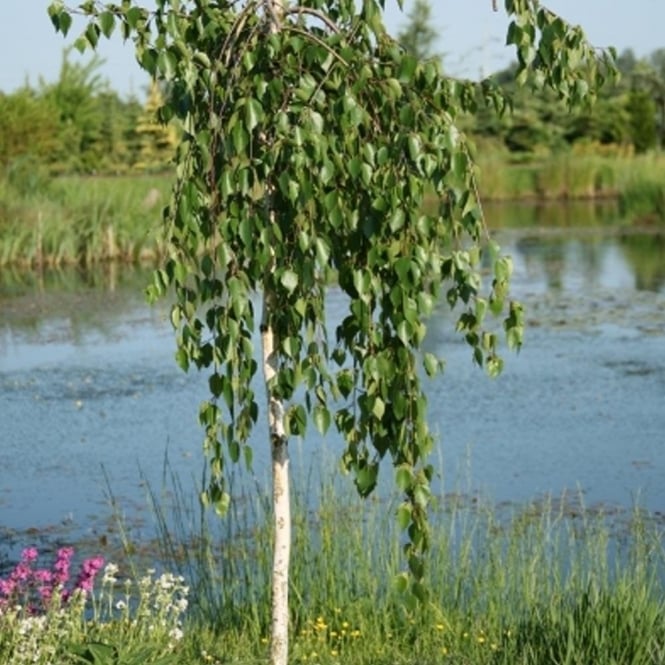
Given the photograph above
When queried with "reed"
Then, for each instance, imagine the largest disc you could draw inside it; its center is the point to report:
(644, 201)
(636, 180)
(82, 221)
(87, 220)
(545, 582)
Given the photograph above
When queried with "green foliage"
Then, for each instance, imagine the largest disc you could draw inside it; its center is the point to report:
(506, 584)
(308, 146)
(642, 113)
(554, 53)
(28, 127)
(125, 622)
(417, 35)
(78, 220)
(644, 200)
(156, 141)
(74, 99)
(73, 125)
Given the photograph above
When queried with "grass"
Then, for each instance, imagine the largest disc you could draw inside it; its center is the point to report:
(576, 175)
(644, 200)
(547, 582)
(87, 220)
(81, 221)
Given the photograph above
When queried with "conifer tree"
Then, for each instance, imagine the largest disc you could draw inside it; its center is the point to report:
(156, 140)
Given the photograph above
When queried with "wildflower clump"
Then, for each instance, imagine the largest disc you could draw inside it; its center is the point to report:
(47, 616)
(40, 609)
(34, 590)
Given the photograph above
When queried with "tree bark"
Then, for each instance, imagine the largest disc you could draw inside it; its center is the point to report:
(279, 644)
(279, 650)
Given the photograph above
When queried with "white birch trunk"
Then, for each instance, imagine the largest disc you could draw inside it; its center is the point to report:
(279, 650)
(279, 644)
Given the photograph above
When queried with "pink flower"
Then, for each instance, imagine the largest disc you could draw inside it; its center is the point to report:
(29, 555)
(61, 566)
(33, 588)
(89, 570)
(7, 587)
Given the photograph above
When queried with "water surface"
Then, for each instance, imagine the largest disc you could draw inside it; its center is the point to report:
(89, 391)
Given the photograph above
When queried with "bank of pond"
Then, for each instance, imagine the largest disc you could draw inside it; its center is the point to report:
(81, 220)
(545, 582)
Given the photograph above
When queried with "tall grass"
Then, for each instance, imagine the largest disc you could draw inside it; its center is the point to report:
(543, 583)
(636, 179)
(644, 200)
(85, 220)
(82, 221)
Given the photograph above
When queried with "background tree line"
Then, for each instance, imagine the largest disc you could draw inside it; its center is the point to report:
(78, 124)
(629, 116)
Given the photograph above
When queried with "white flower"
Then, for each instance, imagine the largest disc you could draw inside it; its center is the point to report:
(176, 633)
(110, 573)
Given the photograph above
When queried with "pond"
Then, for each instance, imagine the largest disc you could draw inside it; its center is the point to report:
(92, 403)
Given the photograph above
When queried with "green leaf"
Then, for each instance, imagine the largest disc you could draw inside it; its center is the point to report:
(401, 583)
(222, 503)
(65, 22)
(134, 15)
(322, 418)
(182, 359)
(366, 479)
(249, 456)
(404, 480)
(92, 34)
(107, 23)
(96, 653)
(167, 64)
(354, 167)
(414, 147)
(397, 219)
(253, 113)
(378, 408)
(296, 420)
(407, 68)
(431, 364)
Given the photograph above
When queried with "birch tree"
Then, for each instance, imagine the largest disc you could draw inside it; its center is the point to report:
(310, 141)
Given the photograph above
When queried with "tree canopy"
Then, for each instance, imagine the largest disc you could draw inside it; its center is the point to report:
(310, 138)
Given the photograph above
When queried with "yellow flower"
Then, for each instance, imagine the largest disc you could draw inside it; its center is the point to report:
(333, 653)
(481, 639)
(440, 626)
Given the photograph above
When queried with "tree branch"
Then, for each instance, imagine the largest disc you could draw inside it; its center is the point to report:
(316, 13)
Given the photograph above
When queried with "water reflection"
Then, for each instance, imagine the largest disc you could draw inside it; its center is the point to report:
(583, 214)
(68, 304)
(582, 244)
(646, 256)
